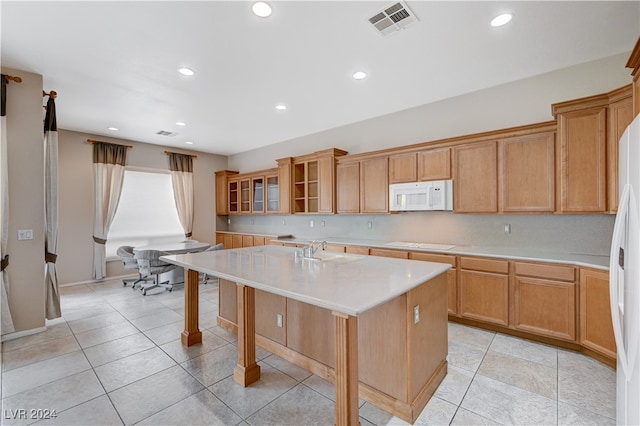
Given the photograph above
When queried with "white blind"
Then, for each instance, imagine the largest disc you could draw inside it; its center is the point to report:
(146, 212)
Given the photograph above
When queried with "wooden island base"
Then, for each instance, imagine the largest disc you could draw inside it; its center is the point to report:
(400, 363)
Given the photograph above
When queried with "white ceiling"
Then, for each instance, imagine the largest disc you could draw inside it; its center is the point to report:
(114, 63)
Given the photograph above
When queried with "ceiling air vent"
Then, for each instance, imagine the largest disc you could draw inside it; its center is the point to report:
(393, 18)
(165, 133)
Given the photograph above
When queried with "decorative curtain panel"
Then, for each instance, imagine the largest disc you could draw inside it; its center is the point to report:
(108, 175)
(51, 210)
(181, 166)
(6, 320)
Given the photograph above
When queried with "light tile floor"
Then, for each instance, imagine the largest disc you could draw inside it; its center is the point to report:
(116, 358)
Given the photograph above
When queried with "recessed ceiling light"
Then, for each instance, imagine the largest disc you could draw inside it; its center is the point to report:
(186, 71)
(180, 123)
(189, 143)
(113, 129)
(281, 107)
(359, 75)
(501, 20)
(261, 9)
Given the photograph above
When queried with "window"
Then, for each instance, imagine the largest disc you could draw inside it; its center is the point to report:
(146, 212)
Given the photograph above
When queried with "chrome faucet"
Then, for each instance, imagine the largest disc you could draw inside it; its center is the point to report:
(310, 250)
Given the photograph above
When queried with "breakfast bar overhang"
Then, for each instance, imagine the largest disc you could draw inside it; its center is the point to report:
(370, 301)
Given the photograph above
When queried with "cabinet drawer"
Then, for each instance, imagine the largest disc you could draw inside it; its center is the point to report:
(398, 254)
(553, 272)
(487, 265)
(335, 247)
(429, 257)
(357, 250)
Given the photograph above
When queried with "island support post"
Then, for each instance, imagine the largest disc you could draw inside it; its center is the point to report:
(247, 371)
(191, 334)
(346, 359)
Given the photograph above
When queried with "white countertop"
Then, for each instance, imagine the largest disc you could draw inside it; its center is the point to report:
(350, 284)
(510, 253)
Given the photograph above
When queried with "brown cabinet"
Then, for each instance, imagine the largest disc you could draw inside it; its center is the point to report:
(596, 329)
(484, 290)
(403, 168)
(620, 115)
(362, 186)
(545, 300)
(527, 171)
(475, 178)
(434, 164)
(397, 254)
(582, 147)
(348, 187)
(452, 282)
(222, 191)
(314, 182)
(634, 64)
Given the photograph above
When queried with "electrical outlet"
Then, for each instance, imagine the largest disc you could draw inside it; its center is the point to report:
(229, 221)
(25, 234)
(310, 224)
(279, 320)
(507, 228)
(369, 224)
(284, 222)
(416, 314)
(322, 223)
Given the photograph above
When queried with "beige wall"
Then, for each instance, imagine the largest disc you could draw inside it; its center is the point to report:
(513, 104)
(75, 244)
(26, 199)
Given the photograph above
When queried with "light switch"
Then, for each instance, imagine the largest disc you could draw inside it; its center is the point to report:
(25, 234)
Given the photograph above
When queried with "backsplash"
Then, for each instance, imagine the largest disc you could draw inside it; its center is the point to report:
(584, 234)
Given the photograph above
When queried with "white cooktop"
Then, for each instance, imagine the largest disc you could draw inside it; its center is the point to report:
(426, 246)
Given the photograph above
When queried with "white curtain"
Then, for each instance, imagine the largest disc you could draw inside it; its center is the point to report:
(51, 210)
(108, 175)
(6, 320)
(181, 166)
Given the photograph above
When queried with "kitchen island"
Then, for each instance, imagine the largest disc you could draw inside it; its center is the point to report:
(375, 327)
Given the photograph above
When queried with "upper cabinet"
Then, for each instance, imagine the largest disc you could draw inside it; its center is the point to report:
(431, 164)
(587, 159)
(222, 192)
(362, 185)
(526, 173)
(313, 179)
(475, 178)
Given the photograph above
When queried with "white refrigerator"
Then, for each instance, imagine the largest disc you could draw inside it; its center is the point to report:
(624, 278)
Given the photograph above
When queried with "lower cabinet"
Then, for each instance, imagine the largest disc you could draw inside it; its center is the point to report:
(452, 275)
(596, 329)
(484, 290)
(545, 300)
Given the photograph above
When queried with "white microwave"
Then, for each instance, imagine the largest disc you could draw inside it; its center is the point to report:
(419, 196)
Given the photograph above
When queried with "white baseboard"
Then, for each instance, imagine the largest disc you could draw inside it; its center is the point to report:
(118, 277)
(18, 334)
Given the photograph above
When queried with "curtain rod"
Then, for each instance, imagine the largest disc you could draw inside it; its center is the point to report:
(53, 94)
(91, 141)
(169, 152)
(12, 78)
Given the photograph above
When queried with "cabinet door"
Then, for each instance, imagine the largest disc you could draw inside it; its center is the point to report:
(484, 296)
(257, 194)
(272, 194)
(236, 241)
(620, 115)
(596, 329)
(228, 241)
(475, 178)
(245, 196)
(374, 186)
(582, 147)
(403, 168)
(219, 238)
(259, 240)
(326, 193)
(348, 187)
(247, 241)
(545, 307)
(222, 204)
(527, 170)
(434, 164)
(233, 196)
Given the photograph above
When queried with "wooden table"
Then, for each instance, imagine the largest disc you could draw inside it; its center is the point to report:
(335, 283)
